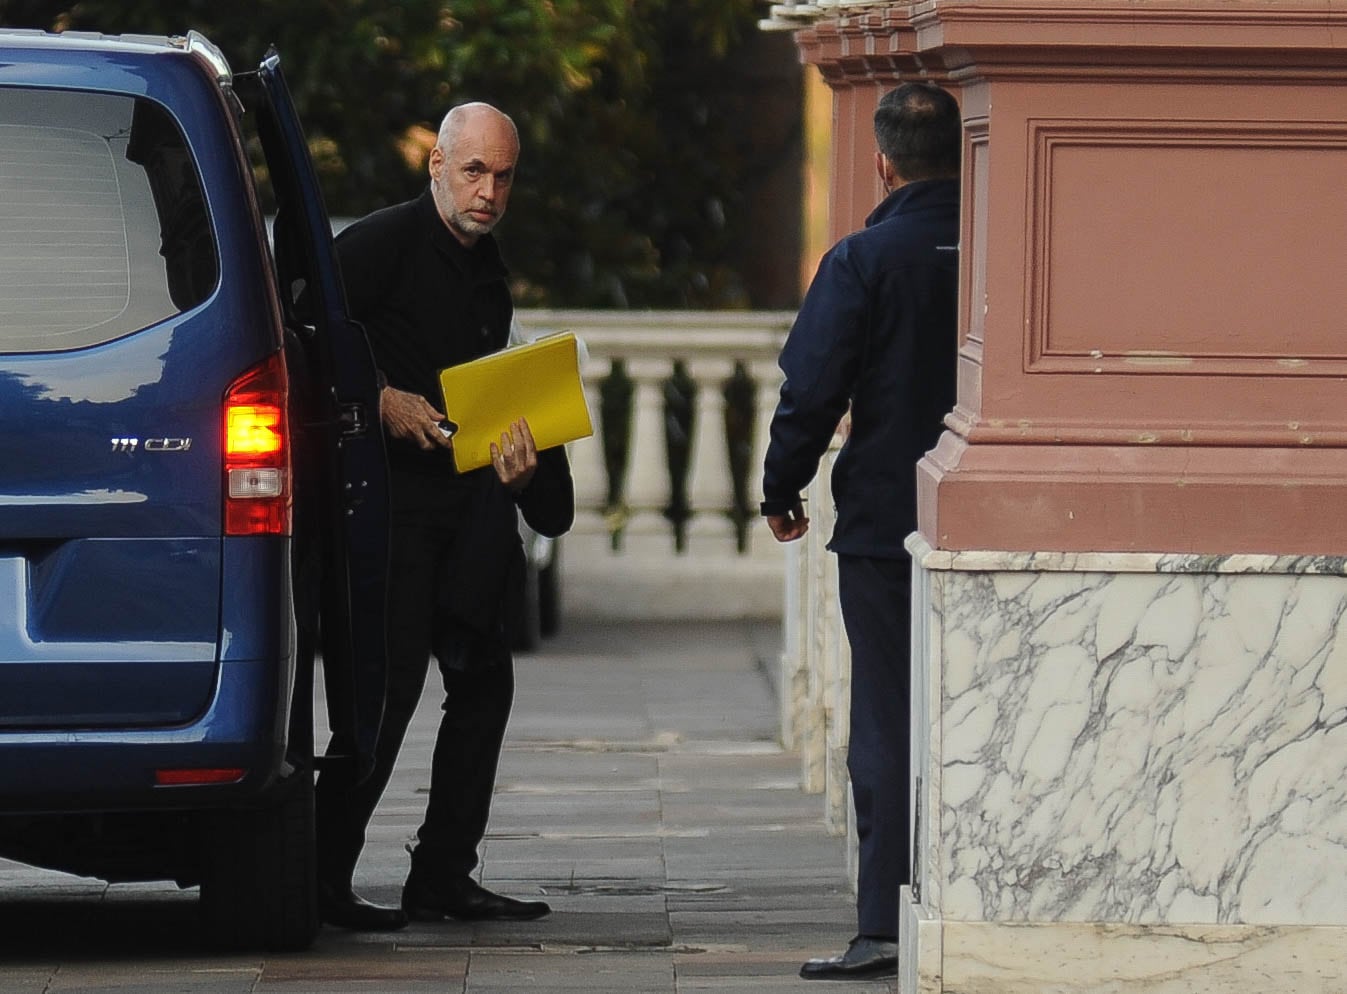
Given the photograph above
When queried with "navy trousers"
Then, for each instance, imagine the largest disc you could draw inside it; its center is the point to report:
(876, 597)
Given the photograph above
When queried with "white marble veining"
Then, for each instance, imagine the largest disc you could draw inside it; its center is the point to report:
(1102, 740)
(1077, 958)
(1120, 562)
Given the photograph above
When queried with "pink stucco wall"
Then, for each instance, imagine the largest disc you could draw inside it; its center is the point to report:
(1153, 335)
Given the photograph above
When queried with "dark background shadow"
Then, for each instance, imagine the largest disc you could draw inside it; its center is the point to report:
(88, 926)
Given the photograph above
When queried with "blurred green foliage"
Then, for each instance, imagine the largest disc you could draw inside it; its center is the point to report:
(632, 178)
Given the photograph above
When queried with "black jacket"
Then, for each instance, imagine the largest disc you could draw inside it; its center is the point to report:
(877, 330)
(428, 302)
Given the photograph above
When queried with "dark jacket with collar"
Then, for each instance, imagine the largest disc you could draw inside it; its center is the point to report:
(428, 302)
(877, 330)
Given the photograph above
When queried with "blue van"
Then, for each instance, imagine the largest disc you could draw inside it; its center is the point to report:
(192, 481)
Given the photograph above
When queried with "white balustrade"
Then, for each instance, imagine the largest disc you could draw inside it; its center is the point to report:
(623, 560)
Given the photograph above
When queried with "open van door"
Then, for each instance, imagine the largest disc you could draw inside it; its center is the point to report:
(341, 474)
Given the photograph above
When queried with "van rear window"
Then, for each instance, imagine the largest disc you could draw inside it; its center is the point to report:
(103, 225)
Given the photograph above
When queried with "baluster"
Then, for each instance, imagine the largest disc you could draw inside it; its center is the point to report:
(710, 487)
(767, 391)
(591, 477)
(590, 534)
(648, 484)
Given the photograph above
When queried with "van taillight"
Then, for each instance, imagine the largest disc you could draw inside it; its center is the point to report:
(257, 452)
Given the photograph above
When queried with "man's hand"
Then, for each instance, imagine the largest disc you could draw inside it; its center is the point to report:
(789, 526)
(411, 416)
(516, 457)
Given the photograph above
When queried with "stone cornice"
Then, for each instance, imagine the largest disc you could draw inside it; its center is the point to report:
(1035, 14)
(864, 46)
(1154, 30)
(1299, 24)
(792, 15)
(855, 40)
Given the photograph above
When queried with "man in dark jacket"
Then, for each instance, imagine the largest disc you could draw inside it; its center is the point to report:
(426, 279)
(877, 331)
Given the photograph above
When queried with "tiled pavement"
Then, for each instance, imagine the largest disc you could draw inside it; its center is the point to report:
(642, 793)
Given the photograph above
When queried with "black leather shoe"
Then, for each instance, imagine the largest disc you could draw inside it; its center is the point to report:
(465, 900)
(864, 959)
(339, 906)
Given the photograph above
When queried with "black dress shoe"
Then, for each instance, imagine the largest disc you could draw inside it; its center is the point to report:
(467, 901)
(339, 906)
(864, 959)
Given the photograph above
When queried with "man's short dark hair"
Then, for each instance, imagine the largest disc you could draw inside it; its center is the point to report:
(919, 128)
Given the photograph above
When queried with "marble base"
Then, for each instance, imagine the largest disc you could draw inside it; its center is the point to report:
(1132, 773)
(920, 957)
(1079, 958)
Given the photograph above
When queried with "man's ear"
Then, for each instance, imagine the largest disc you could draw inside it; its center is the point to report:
(436, 162)
(885, 170)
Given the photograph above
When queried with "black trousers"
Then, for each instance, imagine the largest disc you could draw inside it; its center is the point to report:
(876, 598)
(476, 709)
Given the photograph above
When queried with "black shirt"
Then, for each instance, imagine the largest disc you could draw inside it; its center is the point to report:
(426, 302)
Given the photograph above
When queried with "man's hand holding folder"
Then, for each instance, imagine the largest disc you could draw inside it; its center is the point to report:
(409, 416)
(516, 457)
(495, 400)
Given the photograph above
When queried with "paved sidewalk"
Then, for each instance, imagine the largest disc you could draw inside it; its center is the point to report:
(641, 792)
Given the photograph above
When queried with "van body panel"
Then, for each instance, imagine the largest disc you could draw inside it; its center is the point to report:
(106, 770)
(110, 467)
(141, 645)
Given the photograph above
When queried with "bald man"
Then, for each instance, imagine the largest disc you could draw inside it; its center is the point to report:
(426, 279)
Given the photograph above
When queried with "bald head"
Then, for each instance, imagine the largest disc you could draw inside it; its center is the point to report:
(472, 169)
(473, 115)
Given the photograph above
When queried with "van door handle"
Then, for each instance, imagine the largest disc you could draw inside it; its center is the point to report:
(351, 420)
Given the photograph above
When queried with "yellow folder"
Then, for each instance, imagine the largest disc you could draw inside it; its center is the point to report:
(539, 382)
